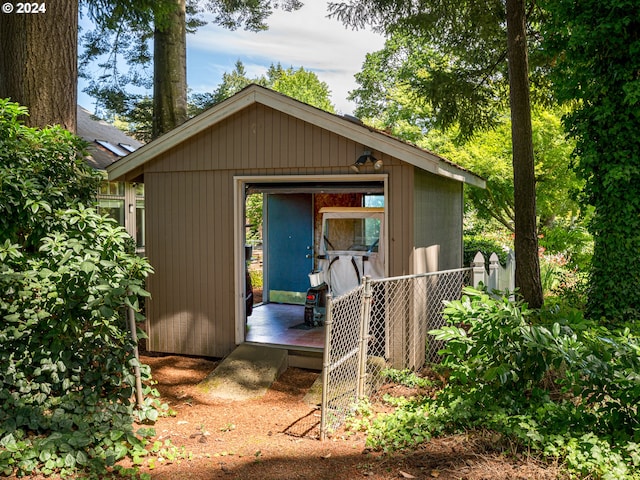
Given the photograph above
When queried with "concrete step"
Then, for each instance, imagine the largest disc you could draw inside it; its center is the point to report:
(310, 360)
(246, 373)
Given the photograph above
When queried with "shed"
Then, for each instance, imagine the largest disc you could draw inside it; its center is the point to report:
(198, 176)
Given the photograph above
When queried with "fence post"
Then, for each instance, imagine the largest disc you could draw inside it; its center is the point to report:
(494, 264)
(478, 269)
(131, 316)
(365, 314)
(326, 363)
(511, 267)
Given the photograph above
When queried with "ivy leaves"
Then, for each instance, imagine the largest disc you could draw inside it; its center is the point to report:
(595, 44)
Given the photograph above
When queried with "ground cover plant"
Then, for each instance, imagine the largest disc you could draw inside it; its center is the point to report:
(66, 280)
(545, 382)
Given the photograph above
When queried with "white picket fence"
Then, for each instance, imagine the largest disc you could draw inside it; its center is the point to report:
(498, 277)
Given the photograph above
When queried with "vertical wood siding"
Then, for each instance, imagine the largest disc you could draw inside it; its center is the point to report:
(189, 205)
(438, 218)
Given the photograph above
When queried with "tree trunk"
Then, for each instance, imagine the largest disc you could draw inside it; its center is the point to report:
(526, 239)
(38, 64)
(170, 71)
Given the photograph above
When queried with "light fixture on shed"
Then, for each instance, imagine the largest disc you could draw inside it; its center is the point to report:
(363, 159)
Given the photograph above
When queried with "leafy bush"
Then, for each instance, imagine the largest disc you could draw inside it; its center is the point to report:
(570, 240)
(66, 382)
(548, 381)
(474, 244)
(41, 171)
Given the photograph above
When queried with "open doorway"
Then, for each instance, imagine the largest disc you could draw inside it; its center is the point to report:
(285, 238)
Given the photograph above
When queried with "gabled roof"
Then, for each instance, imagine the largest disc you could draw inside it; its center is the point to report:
(355, 131)
(106, 142)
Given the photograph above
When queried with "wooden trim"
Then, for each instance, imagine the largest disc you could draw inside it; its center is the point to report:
(238, 221)
(302, 112)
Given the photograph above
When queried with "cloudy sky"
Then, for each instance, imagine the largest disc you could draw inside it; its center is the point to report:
(305, 38)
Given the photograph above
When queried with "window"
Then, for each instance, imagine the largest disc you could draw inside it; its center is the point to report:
(112, 148)
(111, 189)
(374, 200)
(111, 200)
(127, 147)
(112, 207)
(125, 204)
(140, 220)
(352, 234)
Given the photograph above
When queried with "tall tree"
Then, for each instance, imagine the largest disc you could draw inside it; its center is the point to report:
(464, 83)
(299, 84)
(38, 65)
(524, 181)
(170, 70)
(124, 33)
(596, 48)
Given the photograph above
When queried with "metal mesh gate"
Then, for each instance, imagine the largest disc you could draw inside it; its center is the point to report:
(380, 325)
(342, 358)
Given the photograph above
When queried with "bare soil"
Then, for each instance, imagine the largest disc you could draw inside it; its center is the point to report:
(258, 439)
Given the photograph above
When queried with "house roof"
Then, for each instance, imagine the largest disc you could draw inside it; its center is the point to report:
(340, 125)
(106, 142)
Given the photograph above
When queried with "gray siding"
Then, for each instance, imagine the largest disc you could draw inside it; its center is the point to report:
(438, 222)
(189, 205)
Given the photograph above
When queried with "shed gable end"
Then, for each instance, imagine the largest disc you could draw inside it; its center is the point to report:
(259, 138)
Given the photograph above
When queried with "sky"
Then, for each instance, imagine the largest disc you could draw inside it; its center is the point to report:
(304, 38)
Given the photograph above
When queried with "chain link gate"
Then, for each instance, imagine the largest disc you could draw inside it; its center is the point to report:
(383, 324)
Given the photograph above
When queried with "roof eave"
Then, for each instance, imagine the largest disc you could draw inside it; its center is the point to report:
(134, 160)
(359, 133)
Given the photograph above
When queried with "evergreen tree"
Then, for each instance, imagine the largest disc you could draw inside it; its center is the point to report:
(125, 32)
(38, 67)
(466, 82)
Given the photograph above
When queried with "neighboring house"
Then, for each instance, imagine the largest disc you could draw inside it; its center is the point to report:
(124, 201)
(198, 176)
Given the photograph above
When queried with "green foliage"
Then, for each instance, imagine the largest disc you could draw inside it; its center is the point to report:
(546, 381)
(570, 239)
(304, 86)
(489, 154)
(254, 216)
(257, 279)
(116, 57)
(596, 46)
(300, 84)
(406, 377)
(40, 172)
(66, 380)
(475, 243)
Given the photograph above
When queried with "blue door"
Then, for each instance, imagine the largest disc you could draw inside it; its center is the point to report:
(289, 246)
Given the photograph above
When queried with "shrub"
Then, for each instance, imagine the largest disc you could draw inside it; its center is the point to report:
(474, 244)
(548, 381)
(66, 361)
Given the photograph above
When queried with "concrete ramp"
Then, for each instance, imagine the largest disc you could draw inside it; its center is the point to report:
(246, 373)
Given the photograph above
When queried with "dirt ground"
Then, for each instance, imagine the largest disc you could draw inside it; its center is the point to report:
(273, 438)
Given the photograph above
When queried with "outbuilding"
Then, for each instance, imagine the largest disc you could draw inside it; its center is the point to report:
(197, 179)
